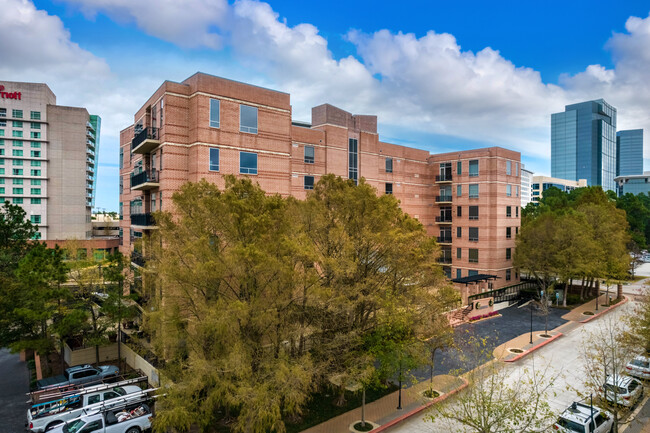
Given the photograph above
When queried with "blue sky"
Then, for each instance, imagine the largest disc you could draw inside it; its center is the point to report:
(440, 75)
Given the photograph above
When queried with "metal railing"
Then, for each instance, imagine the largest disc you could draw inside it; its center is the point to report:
(149, 133)
(442, 198)
(144, 177)
(445, 219)
(444, 239)
(443, 178)
(142, 219)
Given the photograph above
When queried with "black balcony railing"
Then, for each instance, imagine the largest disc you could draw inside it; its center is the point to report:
(443, 178)
(443, 219)
(441, 198)
(444, 259)
(138, 259)
(142, 219)
(444, 239)
(144, 177)
(149, 133)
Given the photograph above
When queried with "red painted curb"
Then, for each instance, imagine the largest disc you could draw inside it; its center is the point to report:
(397, 420)
(625, 299)
(532, 349)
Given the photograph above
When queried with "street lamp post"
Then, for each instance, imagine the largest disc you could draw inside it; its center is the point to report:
(531, 323)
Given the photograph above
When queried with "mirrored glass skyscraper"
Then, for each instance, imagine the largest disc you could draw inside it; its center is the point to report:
(629, 152)
(583, 143)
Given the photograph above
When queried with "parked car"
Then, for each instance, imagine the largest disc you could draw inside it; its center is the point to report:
(625, 390)
(43, 416)
(78, 375)
(132, 418)
(639, 367)
(583, 418)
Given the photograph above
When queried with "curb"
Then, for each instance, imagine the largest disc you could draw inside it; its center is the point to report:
(625, 299)
(399, 419)
(534, 348)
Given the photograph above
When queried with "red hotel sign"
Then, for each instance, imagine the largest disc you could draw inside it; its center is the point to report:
(9, 95)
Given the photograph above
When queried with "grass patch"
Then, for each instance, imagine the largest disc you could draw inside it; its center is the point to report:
(322, 406)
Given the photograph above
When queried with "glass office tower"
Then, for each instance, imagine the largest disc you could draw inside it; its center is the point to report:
(629, 152)
(583, 143)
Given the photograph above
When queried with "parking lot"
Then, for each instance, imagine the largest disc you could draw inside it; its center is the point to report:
(14, 385)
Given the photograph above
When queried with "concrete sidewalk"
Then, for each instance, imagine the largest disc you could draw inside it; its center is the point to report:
(578, 313)
(384, 413)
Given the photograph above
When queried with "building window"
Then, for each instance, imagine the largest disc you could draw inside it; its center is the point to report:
(459, 253)
(459, 168)
(35, 191)
(309, 154)
(17, 182)
(2, 132)
(508, 211)
(248, 119)
(473, 234)
(2, 189)
(35, 125)
(459, 211)
(517, 211)
(35, 134)
(35, 163)
(473, 255)
(214, 113)
(35, 153)
(35, 115)
(516, 230)
(353, 167)
(508, 168)
(459, 190)
(247, 163)
(35, 201)
(17, 162)
(17, 171)
(459, 273)
(389, 165)
(389, 188)
(17, 143)
(37, 145)
(508, 232)
(121, 157)
(17, 200)
(35, 172)
(473, 168)
(17, 124)
(17, 191)
(214, 157)
(516, 169)
(17, 152)
(509, 190)
(2, 171)
(473, 212)
(18, 114)
(2, 161)
(2, 152)
(16, 133)
(508, 253)
(459, 232)
(309, 182)
(517, 190)
(508, 273)
(3, 112)
(473, 190)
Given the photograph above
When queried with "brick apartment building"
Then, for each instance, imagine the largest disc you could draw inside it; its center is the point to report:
(207, 126)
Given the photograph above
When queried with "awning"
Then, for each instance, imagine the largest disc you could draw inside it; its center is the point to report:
(474, 279)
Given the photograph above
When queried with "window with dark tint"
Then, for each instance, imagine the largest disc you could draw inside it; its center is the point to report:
(248, 119)
(309, 182)
(508, 167)
(472, 273)
(508, 211)
(570, 425)
(459, 190)
(92, 426)
(459, 211)
(309, 154)
(459, 253)
(517, 211)
(93, 399)
(473, 212)
(473, 255)
(214, 114)
(473, 234)
(508, 253)
(459, 273)
(459, 232)
(353, 167)
(459, 167)
(247, 163)
(473, 168)
(508, 232)
(389, 165)
(389, 188)
(214, 159)
(508, 274)
(639, 363)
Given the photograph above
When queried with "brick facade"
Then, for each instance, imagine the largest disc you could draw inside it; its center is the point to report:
(177, 150)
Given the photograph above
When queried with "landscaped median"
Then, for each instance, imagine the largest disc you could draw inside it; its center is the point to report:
(519, 347)
(601, 312)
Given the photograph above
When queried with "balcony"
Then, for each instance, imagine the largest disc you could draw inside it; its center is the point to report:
(443, 199)
(443, 178)
(445, 260)
(144, 220)
(90, 134)
(90, 126)
(145, 181)
(443, 220)
(137, 259)
(145, 141)
(90, 160)
(444, 239)
(90, 143)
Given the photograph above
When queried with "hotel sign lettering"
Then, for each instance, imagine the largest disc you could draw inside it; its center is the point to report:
(9, 95)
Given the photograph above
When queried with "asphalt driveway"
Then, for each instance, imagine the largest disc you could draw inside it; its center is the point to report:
(14, 385)
(514, 322)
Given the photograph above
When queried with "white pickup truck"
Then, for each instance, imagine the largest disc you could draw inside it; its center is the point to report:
(43, 416)
(130, 418)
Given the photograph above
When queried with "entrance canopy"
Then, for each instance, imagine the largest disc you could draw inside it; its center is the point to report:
(474, 279)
